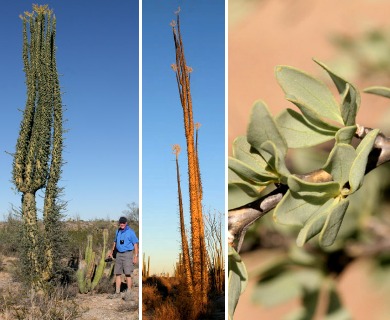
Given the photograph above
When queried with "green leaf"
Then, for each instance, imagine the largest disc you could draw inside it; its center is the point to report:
(380, 91)
(302, 257)
(333, 223)
(276, 290)
(253, 175)
(350, 105)
(237, 281)
(241, 192)
(335, 309)
(294, 210)
(309, 190)
(313, 115)
(243, 151)
(314, 225)
(309, 278)
(350, 96)
(275, 159)
(345, 135)
(262, 127)
(308, 91)
(339, 162)
(299, 132)
(358, 168)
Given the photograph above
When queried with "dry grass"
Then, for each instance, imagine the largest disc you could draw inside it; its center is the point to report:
(30, 305)
(151, 298)
(167, 311)
(166, 298)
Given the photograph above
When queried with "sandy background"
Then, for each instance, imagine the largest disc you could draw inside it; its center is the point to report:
(267, 33)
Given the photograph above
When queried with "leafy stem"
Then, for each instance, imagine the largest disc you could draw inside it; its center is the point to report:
(240, 219)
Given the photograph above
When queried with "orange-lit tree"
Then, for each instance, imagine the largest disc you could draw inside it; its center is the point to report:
(198, 244)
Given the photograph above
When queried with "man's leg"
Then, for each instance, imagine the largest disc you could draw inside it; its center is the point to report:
(128, 268)
(129, 281)
(118, 282)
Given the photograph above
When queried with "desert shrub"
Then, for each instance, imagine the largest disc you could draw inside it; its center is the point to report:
(151, 298)
(10, 235)
(78, 232)
(167, 311)
(29, 305)
(184, 302)
(161, 284)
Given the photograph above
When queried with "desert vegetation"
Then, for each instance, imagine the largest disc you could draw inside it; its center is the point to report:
(48, 264)
(197, 285)
(65, 298)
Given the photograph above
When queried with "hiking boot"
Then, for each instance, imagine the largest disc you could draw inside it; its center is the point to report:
(114, 296)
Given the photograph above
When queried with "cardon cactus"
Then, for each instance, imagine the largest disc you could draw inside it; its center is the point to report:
(89, 273)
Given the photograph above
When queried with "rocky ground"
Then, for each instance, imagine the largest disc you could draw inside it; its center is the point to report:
(92, 306)
(98, 307)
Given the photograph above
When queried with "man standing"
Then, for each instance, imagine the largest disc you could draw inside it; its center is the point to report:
(126, 243)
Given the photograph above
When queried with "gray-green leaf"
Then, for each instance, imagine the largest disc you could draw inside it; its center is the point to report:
(294, 210)
(358, 168)
(312, 114)
(314, 225)
(275, 160)
(254, 175)
(350, 96)
(339, 162)
(345, 135)
(333, 222)
(299, 132)
(262, 127)
(238, 278)
(309, 91)
(242, 151)
(380, 91)
(240, 192)
(310, 190)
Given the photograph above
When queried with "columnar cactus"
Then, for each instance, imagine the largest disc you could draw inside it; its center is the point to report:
(89, 274)
(102, 264)
(37, 159)
(145, 268)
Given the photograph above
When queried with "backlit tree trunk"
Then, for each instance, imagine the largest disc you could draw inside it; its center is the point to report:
(198, 246)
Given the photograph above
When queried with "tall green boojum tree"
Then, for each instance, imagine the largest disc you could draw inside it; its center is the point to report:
(38, 156)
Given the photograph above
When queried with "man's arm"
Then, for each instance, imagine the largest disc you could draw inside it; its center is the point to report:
(112, 251)
(135, 255)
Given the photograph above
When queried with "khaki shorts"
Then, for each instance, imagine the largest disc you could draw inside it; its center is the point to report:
(124, 263)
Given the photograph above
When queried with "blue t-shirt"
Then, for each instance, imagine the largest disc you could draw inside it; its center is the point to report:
(129, 239)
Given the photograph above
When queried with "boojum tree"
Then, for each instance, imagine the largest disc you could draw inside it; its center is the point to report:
(38, 156)
(198, 245)
(186, 263)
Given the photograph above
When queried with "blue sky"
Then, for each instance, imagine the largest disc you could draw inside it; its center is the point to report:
(202, 27)
(97, 58)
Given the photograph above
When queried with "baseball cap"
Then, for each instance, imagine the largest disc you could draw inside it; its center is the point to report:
(122, 220)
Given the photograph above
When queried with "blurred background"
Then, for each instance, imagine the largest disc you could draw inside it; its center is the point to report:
(350, 280)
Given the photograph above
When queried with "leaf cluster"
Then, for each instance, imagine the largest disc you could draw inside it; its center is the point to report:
(316, 202)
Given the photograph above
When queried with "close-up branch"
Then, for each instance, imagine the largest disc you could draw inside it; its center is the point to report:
(240, 219)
